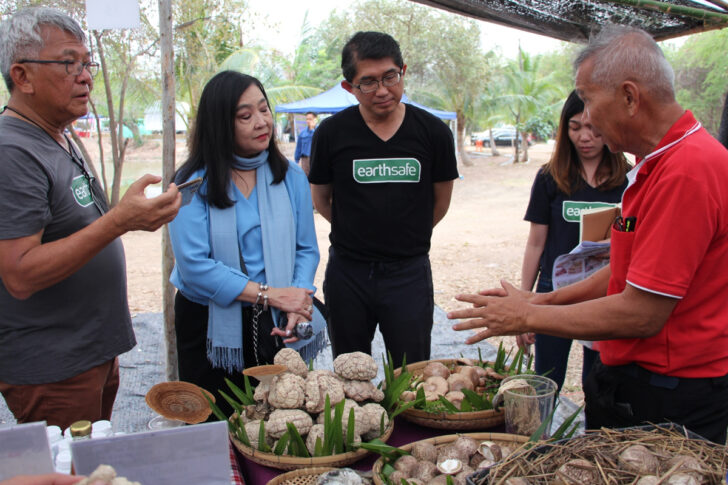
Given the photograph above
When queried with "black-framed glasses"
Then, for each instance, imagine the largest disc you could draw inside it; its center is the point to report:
(73, 68)
(388, 80)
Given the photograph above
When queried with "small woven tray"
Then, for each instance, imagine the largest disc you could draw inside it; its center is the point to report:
(503, 439)
(180, 400)
(471, 420)
(302, 476)
(287, 462)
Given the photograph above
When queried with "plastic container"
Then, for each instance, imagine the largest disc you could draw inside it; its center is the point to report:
(101, 429)
(527, 407)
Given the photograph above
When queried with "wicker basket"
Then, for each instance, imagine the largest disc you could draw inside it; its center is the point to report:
(302, 476)
(471, 420)
(510, 440)
(287, 462)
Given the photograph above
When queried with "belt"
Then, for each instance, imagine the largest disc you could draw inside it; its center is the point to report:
(669, 382)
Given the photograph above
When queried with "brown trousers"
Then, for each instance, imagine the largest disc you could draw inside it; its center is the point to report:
(89, 395)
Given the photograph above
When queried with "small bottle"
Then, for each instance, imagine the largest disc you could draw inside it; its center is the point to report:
(63, 462)
(101, 429)
(81, 430)
(54, 437)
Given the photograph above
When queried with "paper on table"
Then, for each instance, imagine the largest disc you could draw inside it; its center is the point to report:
(24, 450)
(190, 454)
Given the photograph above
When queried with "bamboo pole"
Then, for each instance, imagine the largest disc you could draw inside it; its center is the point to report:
(168, 154)
(678, 10)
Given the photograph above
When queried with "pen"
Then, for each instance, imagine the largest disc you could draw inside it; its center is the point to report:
(629, 223)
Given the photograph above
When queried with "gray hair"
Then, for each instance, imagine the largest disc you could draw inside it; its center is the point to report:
(620, 53)
(20, 35)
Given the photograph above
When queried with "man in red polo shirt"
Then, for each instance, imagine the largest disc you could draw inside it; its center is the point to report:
(660, 310)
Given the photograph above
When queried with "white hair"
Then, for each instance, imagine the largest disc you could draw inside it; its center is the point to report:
(20, 35)
(620, 53)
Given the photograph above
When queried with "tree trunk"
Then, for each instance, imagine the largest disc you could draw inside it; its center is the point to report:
(168, 149)
(493, 148)
(101, 149)
(464, 157)
(524, 137)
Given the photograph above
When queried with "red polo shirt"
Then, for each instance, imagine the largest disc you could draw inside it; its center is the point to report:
(679, 248)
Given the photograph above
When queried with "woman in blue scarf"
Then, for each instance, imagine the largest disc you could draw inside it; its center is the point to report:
(245, 246)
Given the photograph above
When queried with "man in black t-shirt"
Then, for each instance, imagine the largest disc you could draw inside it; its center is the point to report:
(382, 174)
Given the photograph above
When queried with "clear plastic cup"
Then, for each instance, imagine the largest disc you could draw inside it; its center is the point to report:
(529, 405)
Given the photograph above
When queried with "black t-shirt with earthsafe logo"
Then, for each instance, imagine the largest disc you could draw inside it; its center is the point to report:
(382, 190)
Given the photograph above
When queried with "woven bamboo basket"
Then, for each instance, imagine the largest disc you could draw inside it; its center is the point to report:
(287, 462)
(511, 440)
(302, 476)
(466, 421)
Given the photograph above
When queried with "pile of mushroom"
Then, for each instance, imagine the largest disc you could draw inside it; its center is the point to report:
(428, 464)
(438, 380)
(298, 396)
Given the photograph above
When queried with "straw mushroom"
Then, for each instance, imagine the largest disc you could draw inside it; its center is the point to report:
(438, 480)
(319, 384)
(362, 391)
(516, 481)
(424, 451)
(435, 385)
(462, 476)
(279, 419)
(292, 360)
(482, 375)
(397, 476)
(437, 369)
(287, 391)
(577, 472)
(457, 382)
(424, 471)
(355, 365)
(450, 466)
(466, 445)
(686, 464)
(638, 459)
(405, 464)
(451, 451)
(490, 451)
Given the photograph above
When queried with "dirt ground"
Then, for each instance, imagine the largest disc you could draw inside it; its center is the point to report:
(478, 243)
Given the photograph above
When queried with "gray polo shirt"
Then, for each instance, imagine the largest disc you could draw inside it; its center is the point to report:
(82, 321)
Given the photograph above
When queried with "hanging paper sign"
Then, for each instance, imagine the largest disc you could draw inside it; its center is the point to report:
(112, 14)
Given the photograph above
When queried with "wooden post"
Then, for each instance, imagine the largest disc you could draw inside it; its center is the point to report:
(168, 154)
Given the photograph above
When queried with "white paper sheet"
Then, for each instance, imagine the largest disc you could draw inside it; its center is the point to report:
(112, 14)
(24, 450)
(190, 454)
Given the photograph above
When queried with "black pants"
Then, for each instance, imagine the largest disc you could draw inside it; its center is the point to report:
(190, 322)
(398, 296)
(630, 395)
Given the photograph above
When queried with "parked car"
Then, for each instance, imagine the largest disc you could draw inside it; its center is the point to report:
(501, 137)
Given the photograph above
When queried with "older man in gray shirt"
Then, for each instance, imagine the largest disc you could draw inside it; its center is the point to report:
(64, 317)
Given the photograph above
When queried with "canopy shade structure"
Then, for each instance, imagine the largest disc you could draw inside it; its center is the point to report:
(574, 20)
(337, 99)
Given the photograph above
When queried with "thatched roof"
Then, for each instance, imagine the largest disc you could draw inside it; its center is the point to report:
(573, 20)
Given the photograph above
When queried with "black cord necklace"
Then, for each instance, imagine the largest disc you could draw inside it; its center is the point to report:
(71, 152)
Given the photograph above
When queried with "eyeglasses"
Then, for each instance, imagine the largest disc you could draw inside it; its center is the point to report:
(73, 68)
(389, 80)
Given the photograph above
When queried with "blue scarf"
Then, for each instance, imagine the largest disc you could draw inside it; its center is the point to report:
(278, 228)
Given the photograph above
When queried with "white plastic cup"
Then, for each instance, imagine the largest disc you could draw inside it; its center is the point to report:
(525, 410)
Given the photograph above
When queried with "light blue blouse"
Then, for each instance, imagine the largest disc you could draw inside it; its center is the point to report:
(201, 279)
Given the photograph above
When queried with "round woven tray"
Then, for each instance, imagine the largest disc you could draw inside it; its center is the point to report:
(180, 400)
(510, 440)
(287, 462)
(302, 476)
(470, 420)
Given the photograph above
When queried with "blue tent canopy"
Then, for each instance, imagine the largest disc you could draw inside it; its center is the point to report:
(337, 99)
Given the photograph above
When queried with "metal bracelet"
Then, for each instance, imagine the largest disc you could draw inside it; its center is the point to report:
(265, 303)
